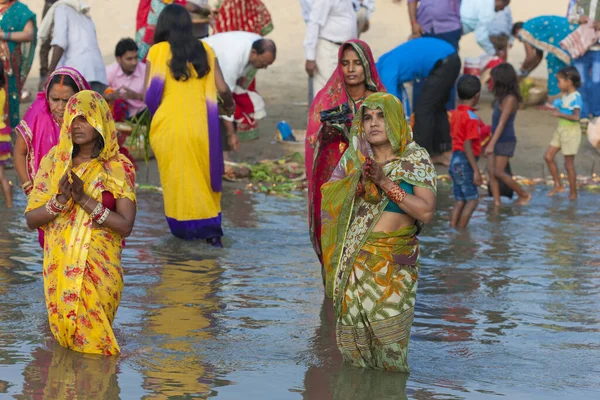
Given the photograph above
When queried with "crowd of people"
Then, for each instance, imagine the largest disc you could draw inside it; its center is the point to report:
(79, 181)
(369, 154)
(371, 180)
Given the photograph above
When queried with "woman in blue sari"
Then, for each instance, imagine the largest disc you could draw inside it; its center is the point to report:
(544, 34)
(17, 49)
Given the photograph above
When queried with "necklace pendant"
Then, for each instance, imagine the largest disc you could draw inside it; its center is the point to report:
(342, 147)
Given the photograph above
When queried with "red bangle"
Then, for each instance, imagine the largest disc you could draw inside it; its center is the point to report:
(396, 194)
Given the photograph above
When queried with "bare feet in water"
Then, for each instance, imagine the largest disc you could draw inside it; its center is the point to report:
(523, 201)
(556, 190)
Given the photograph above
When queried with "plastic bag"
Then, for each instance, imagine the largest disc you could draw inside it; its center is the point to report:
(593, 132)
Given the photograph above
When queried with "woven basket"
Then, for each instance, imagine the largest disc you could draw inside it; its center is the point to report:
(290, 148)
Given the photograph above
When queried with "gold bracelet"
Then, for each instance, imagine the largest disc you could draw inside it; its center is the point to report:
(85, 204)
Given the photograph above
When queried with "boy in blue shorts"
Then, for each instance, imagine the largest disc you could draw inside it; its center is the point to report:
(466, 148)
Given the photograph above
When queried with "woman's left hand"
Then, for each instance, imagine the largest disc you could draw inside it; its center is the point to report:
(373, 170)
(77, 192)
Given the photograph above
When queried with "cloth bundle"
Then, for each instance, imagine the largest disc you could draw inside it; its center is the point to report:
(580, 40)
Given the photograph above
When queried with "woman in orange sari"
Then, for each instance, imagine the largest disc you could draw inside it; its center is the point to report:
(329, 119)
(84, 200)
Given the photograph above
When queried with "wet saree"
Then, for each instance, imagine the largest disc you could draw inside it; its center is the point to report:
(322, 151)
(83, 278)
(372, 276)
(16, 57)
(186, 141)
(545, 33)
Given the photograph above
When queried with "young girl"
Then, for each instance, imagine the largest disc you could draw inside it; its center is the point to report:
(567, 136)
(5, 146)
(502, 145)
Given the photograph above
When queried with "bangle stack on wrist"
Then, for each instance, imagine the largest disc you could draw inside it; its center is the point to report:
(27, 187)
(396, 194)
(100, 214)
(53, 207)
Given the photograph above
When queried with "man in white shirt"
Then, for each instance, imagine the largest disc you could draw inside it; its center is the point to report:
(75, 45)
(478, 16)
(364, 9)
(240, 55)
(330, 23)
(240, 52)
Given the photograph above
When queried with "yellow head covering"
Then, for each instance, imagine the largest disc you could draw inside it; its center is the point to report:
(110, 171)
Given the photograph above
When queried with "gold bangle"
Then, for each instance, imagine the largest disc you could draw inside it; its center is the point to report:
(85, 204)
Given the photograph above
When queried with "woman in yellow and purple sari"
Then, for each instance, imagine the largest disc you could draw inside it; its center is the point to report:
(373, 208)
(185, 134)
(84, 199)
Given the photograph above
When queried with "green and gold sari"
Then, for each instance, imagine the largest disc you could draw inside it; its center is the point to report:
(372, 276)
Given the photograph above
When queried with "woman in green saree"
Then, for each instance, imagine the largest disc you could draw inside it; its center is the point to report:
(373, 208)
(17, 49)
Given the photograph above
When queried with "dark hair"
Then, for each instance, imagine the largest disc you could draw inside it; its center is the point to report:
(468, 86)
(506, 82)
(571, 74)
(516, 28)
(2, 78)
(175, 26)
(124, 46)
(60, 79)
(262, 46)
(98, 147)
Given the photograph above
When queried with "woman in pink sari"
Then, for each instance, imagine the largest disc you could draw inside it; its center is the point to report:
(330, 116)
(40, 128)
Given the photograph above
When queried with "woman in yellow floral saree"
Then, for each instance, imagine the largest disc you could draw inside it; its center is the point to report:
(373, 208)
(84, 200)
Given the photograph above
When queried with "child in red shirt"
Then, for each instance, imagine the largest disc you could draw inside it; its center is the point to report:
(466, 148)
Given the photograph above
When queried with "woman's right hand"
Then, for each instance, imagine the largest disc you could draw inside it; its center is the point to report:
(64, 188)
(329, 131)
(489, 149)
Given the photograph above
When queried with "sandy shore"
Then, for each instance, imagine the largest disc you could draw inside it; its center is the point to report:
(284, 84)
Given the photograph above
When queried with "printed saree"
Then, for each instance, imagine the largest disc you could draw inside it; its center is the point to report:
(372, 276)
(83, 278)
(39, 128)
(243, 15)
(545, 33)
(323, 152)
(16, 57)
(146, 19)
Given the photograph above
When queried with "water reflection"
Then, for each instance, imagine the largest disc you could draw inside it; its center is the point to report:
(171, 363)
(58, 373)
(328, 378)
(507, 308)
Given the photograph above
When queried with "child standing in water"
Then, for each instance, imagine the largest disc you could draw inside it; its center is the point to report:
(466, 149)
(504, 141)
(567, 136)
(5, 146)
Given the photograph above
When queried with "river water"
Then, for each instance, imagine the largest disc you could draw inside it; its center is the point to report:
(508, 308)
